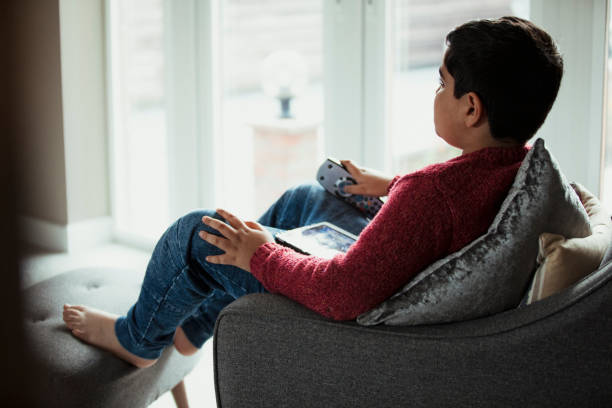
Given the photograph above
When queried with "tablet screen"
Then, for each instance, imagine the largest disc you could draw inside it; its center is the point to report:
(320, 240)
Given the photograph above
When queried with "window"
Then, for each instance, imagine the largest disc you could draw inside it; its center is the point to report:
(176, 67)
(193, 127)
(139, 121)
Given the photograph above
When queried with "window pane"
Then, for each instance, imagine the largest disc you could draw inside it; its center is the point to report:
(139, 122)
(263, 153)
(419, 31)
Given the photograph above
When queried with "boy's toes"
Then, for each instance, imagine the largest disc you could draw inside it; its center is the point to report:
(69, 307)
(78, 333)
(71, 320)
(70, 316)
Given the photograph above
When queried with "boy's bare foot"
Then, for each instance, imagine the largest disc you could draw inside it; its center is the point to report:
(98, 328)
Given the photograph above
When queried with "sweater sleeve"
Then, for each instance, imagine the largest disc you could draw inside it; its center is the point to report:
(411, 231)
(392, 184)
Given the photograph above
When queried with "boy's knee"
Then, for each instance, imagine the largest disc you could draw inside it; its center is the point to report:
(189, 227)
(191, 222)
(195, 216)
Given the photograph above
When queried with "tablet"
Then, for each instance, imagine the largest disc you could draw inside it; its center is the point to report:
(322, 239)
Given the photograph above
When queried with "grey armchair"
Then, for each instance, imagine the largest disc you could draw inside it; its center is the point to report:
(272, 352)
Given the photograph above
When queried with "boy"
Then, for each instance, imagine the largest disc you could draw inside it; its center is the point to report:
(498, 81)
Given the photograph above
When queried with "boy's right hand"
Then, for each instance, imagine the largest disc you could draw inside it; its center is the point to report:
(369, 182)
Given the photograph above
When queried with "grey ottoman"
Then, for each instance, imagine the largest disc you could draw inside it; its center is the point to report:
(75, 374)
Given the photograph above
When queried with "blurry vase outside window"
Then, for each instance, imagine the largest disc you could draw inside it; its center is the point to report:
(272, 99)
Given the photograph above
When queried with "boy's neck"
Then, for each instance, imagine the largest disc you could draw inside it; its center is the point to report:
(486, 142)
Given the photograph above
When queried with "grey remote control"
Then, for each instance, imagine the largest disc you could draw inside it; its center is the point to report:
(333, 176)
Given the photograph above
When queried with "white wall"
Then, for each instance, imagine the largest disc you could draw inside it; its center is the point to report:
(60, 117)
(84, 108)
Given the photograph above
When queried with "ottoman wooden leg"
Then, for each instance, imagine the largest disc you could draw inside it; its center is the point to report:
(180, 395)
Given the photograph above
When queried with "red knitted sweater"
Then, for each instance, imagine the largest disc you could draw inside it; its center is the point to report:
(428, 215)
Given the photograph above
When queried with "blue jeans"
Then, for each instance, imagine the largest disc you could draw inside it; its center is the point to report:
(181, 288)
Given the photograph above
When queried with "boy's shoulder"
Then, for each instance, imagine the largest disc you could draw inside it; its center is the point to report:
(467, 171)
(441, 169)
(430, 176)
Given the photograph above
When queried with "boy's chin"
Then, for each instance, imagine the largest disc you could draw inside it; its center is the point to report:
(448, 140)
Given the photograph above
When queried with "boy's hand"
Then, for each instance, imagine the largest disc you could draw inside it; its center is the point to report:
(240, 239)
(369, 182)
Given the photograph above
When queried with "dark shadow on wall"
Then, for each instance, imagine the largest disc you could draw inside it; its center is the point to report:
(18, 387)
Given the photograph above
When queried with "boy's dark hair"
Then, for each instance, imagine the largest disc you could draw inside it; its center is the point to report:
(513, 66)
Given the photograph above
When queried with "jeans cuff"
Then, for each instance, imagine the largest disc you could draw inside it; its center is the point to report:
(127, 341)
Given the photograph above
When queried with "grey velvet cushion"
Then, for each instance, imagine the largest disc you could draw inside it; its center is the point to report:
(492, 273)
(75, 374)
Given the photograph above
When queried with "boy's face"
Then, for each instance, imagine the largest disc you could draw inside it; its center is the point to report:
(447, 117)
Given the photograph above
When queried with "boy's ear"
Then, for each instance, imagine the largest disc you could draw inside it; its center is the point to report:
(475, 113)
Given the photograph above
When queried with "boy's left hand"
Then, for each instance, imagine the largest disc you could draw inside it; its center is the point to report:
(369, 182)
(240, 239)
